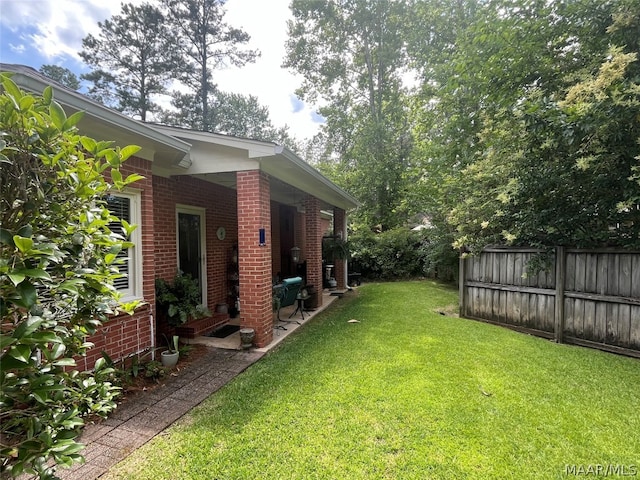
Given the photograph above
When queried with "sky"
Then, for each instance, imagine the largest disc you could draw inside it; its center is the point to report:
(38, 32)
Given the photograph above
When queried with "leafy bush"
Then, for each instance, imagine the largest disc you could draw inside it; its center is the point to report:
(180, 300)
(402, 253)
(388, 255)
(58, 261)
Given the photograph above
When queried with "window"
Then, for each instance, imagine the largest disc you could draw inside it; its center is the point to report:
(126, 206)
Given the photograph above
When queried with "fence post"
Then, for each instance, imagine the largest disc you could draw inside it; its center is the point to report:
(559, 303)
(461, 278)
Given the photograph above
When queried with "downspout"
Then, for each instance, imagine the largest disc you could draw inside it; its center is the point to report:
(153, 335)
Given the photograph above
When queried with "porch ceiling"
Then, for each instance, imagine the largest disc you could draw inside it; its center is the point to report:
(217, 158)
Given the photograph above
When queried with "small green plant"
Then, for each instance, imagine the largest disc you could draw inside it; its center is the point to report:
(180, 299)
(173, 344)
(154, 370)
(335, 248)
(185, 350)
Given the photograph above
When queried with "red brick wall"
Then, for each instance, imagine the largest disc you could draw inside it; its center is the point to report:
(128, 334)
(314, 233)
(254, 213)
(220, 211)
(340, 271)
(276, 258)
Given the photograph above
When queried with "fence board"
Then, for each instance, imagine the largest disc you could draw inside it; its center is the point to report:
(634, 330)
(580, 273)
(591, 271)
(594, 300)
(624, 276)
(601, 323)
(569, 322)
(549, 322)
(603, 274)
(618, 324)
(635, 276)
(612, 280)
(570, 272)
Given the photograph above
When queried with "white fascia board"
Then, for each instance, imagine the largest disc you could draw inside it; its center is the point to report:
(29, 79)
(202, 163)
(254, 148)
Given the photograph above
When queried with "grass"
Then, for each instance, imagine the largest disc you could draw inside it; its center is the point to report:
(407, 393)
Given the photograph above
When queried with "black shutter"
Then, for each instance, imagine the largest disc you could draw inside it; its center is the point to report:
(121, 208)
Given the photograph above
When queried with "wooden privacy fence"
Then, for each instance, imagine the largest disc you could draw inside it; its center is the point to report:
(586, 297)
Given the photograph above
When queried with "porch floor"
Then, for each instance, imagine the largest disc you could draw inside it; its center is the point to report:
(232, 342)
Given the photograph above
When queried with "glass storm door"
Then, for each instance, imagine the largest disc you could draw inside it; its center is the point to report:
(190, 246)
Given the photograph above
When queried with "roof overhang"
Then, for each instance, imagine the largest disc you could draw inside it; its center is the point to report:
(217, 157)
(103, 123)
(177, 151)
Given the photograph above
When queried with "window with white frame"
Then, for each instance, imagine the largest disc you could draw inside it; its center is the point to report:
(126, 206)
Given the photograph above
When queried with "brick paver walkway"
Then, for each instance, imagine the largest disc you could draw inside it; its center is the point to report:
(145, 415)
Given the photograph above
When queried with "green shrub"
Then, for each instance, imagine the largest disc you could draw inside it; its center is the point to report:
(402, 253)
(58, 261)
(180, 299)
(388, 255)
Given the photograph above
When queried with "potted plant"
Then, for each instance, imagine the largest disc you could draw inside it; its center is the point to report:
(170, 356)
(334, 248)
(179, 300)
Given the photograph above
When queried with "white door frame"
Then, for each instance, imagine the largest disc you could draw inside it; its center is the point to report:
(201, 212)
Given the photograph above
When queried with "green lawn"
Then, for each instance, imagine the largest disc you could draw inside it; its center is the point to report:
(408, 393)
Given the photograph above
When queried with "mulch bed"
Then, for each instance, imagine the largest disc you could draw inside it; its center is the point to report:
(141, 383)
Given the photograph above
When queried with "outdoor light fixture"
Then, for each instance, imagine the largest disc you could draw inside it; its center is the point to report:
(262, 237)
(295, 254)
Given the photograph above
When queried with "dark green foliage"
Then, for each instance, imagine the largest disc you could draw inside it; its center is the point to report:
(403, 253)
(133, 57)
(180, 299)
(392, 254)
(58, 261)
(531, 136)
(352, 56)
(205, 43)
(62, 75)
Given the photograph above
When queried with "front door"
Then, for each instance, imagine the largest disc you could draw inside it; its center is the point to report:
(287, 239)
(191, 256)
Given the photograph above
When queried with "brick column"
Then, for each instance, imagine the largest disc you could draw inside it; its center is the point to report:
(313, 230)
(254, 213)
(340, 225)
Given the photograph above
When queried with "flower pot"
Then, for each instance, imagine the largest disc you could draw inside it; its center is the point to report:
(222, 308)
(169, 358)
(246, 337)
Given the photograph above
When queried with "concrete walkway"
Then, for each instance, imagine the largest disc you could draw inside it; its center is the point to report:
(143, 416)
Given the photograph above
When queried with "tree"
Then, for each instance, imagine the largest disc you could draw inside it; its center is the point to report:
(243, 116)
(230, 114)
(58, 261)
(62, 75)
(205, 43)
(497, 143)
(133, 59)
(351, 55)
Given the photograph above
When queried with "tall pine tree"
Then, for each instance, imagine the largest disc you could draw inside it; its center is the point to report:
(132, 60)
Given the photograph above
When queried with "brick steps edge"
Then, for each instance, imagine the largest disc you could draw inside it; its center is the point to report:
(202, 326)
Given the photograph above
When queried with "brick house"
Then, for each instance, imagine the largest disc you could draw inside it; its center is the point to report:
(224, 209)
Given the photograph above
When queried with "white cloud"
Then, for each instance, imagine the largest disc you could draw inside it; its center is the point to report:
(266, 22)
(19, 49)
(54, 29)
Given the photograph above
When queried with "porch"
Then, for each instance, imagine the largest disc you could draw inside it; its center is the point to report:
(232, 217)
(232, 341)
